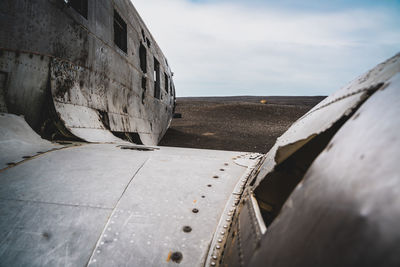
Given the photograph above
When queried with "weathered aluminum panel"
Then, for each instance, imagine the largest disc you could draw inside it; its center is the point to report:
(25, 86)
(326, 113)
(3, 92)
(147, 226)
(93, 176)
(47, 234)
(18, 141)
(50, 41)
(120, 205)
(238, 233)
(85, 123)
(346, 211)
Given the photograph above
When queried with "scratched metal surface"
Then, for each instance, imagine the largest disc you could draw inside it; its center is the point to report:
(111, 205)
(47, 40)
(146, 227)
(346, 211)
(326, 113)
(18, 140)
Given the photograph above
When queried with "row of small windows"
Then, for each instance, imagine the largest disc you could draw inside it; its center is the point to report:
(120, 33)
(120, 40)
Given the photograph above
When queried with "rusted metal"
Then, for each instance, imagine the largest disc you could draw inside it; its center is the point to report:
(78, 60)
(61, 63)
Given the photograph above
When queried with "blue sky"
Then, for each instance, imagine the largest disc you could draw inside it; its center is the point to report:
(265, 47)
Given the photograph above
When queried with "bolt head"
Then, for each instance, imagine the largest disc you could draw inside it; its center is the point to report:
(217, 246)
(187, 229)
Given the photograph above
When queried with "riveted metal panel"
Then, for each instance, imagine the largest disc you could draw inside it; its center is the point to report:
(346, 210)
(147, 226)
(326, 113)
(137, 200)
(86, 68)
(226, 246)
(26, 84)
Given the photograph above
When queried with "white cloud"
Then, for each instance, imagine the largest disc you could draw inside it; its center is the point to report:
(233, 49)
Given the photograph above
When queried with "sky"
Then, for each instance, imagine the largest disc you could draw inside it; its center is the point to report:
(270, 47)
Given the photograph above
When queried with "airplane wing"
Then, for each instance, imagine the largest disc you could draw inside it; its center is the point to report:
(111, 204)
(326, 194)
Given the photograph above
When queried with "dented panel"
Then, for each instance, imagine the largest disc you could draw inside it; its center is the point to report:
(76, 58)
(346, 210)
(122, 205)
(323, 116)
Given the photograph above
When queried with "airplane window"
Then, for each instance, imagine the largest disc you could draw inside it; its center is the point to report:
(143, 35)
(143, 58)
(144, 87)
(156, 79)
(120, 33)
(166, 79)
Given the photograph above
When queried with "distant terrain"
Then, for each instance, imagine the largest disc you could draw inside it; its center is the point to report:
(239, 123)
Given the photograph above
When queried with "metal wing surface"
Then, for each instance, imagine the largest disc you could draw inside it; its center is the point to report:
(113, 204)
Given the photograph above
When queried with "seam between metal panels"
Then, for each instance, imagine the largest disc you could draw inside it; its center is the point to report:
(75, 64)
(241, 260)
(364, 89)
(58, 204)
(104, 130)
(126, 20)
(113, 211)
(225, 223)
(98, 38)
(125, 115)
(252, 219)
(38, 155)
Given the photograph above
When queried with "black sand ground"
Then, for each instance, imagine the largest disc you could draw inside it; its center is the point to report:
(239, 123)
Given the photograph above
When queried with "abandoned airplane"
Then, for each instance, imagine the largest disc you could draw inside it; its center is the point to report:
(90, 74)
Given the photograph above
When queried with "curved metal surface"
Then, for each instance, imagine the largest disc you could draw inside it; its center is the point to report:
(346, 210)
(49, 44)
(115, 205)
(19, 142)
(147, 226)
(327, 112)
